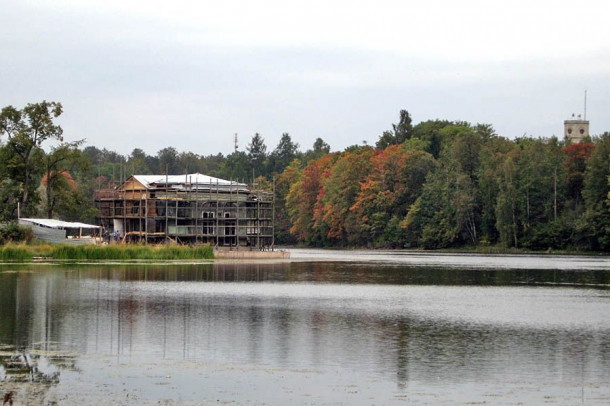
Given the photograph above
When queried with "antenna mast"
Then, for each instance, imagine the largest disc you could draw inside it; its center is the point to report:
(235, 142)
(585, 104)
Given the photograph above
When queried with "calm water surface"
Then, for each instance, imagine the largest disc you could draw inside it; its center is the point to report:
(328, 327)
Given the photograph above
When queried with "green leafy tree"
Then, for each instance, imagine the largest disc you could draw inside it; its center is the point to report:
(138, 162)
(189, 162)
(237, 167)
(595, 223)
(493, 153)
(94, 154)
(465, 147)
(404, 129)
(168, 162)
(9, 187)
(507, 202)
(212, 164)
(445, 214)
(430, 132)
(485, 131)
(27, 129)
(110, 165)
(458, 219)
(319, 149)
(540, 192)
(401, 132)
(386, 139)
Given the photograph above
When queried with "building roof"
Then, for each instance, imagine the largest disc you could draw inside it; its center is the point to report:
(149, 181)
(52, 223)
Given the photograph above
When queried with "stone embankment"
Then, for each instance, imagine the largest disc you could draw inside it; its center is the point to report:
(247, 254)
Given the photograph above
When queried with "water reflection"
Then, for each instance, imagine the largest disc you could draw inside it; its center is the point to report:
(34, 364)
(342, 272)
(400, 324)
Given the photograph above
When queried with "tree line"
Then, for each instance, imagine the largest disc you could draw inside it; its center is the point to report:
(436, 184)
(441, 184)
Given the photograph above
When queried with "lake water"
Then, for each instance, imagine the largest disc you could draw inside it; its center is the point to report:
(325, 328)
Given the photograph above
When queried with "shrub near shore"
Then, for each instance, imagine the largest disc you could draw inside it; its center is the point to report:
(24, 253)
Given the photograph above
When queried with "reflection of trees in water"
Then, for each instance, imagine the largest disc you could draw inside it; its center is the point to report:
(339, 272)
(8, 295)
(29, 306)
(91, 309)
(209, 272)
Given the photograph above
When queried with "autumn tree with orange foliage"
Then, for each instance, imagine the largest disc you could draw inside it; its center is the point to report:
(385, 196)
(332, 216)
(304, 195)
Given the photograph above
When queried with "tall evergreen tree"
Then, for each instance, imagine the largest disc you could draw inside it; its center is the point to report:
(257, 152)
(285, 152)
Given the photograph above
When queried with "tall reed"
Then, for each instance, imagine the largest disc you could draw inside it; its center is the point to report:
(25, 253)
(129, 252)
(15, 253)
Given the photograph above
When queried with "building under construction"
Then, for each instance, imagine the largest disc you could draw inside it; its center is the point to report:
(188, 209)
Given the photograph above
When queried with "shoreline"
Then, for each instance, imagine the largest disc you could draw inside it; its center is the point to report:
(487, 250)
(38, 253)
(466, 260)
(131, 254)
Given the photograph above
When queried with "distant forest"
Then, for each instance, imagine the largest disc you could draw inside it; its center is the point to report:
(435, 184)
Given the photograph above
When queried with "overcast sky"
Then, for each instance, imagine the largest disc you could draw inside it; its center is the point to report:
(190, 74)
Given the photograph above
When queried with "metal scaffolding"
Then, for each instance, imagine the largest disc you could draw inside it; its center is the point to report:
(189, 211)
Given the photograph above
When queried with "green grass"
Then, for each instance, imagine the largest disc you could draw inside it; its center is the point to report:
(25, 253)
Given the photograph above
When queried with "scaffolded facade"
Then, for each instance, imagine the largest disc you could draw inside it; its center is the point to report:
(188, 209)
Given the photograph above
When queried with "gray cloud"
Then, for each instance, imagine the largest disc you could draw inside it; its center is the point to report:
(131, 81)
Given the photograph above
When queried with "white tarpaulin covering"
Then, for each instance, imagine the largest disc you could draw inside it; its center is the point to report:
(191, 178)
